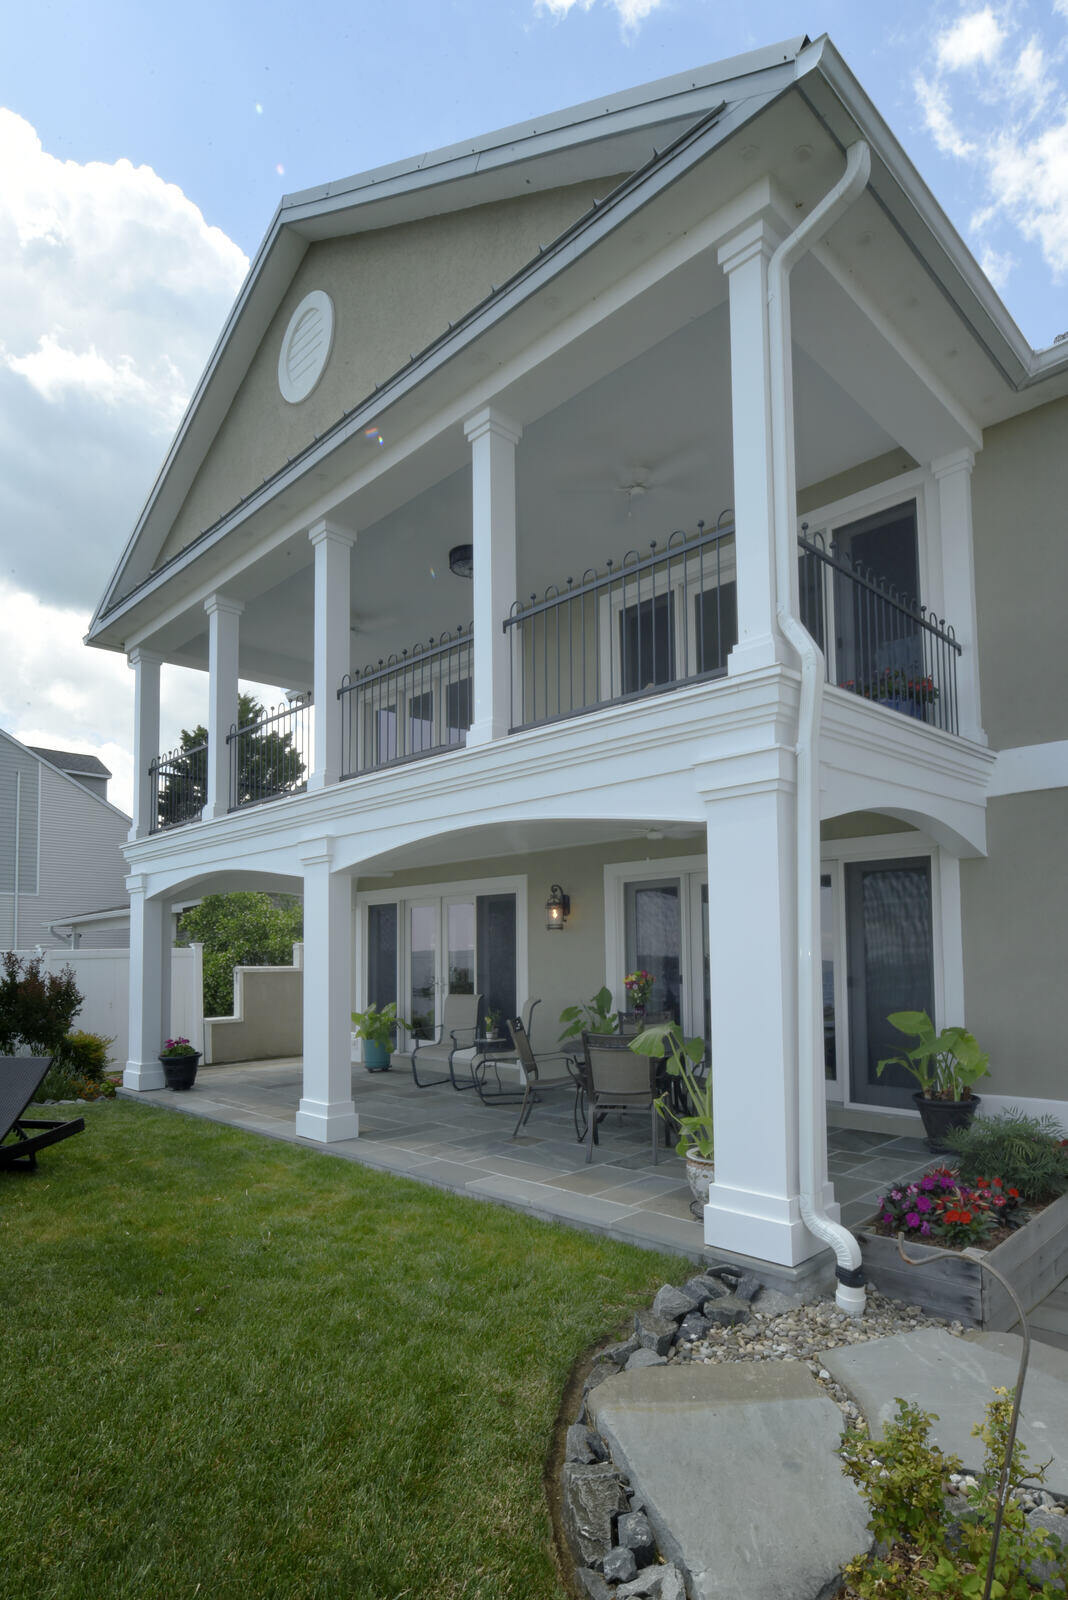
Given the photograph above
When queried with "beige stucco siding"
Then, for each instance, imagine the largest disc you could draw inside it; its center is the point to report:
(1012, 906)
(1020, 511)
(394, 291)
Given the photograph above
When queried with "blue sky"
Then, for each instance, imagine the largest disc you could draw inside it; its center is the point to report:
(144, 150)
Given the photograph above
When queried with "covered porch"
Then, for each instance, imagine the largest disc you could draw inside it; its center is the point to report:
(454, 1142)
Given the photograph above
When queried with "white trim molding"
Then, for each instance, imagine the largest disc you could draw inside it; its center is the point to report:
(1029, 767)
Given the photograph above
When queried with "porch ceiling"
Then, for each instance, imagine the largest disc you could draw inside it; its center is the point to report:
(519, 839)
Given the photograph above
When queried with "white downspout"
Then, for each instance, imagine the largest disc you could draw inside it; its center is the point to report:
(850, 1294)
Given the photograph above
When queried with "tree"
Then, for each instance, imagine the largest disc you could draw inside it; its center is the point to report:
(267, 763)
(244, 929)
(36, 1007)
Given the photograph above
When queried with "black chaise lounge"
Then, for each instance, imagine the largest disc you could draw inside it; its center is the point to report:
(19, 1080)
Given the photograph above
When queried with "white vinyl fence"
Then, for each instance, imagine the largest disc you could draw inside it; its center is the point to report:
(103, 976)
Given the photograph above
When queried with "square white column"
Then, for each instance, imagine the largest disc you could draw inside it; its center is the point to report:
(331, 649)
(493, 439)
(223, 615)
(327, 1112)
(150, 926)
(745, 258)
(146, 667)
(953, 477)
(754, 1203)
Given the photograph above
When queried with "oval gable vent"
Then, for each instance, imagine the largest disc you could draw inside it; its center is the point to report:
(306, 346)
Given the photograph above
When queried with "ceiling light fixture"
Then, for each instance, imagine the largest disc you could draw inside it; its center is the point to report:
(462, 560)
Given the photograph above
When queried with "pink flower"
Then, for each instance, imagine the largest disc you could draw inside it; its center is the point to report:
(912, 1218)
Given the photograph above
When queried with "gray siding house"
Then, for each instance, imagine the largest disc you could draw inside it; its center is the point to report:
(60, 849)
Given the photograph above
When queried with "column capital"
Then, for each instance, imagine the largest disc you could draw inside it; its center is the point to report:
(324, 530)
(962, 460)
(223, 605)
(759, 236)
(138, 656)
(490, 420)
(315, 852)
(136, 882)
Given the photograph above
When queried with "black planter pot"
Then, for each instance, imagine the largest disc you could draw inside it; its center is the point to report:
(939, 1116)
(179, 1072)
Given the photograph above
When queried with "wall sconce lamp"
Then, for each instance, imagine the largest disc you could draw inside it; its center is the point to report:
(557, 908)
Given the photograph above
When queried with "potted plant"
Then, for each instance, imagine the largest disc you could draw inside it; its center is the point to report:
(180, 1063)
(491, 1021)
(378, 1028)
(945, 1065)
(595, 1015)
(639, 986)
(683, 1057)
(902, 690)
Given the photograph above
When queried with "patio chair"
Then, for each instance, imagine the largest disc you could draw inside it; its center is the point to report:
(614, 1078)
(491, 1056)
(454, 1038)
(539, 1073)
(20, 1078)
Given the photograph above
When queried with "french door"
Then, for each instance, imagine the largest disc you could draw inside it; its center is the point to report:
(665, 932)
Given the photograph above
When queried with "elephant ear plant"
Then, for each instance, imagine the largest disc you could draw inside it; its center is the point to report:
(945, 1065)
(594, 1016)
(683, 1057)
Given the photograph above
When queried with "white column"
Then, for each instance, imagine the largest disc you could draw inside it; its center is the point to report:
(754, 1207)
(331, 652)
(326, 1111)
(223, 615)
(953, 475)
(146, 667)
(745, 259)
(149, 987)
(493, 439)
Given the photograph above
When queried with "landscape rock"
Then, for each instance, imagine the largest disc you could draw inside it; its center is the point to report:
(584, 1445)
(695, 1326)
(592, 1584)
(620, 1565)
(1055, 1565)
(726, 1313)
(676, 1303)
(656, 1583)
(592, 1497)
(619, 1352)
(654, 1332)
(634, 1533)
(645, 1358)
(704, 1287)
(598, 1373)
(748, 1287)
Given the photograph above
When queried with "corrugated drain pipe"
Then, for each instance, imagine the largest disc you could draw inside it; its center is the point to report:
(850, 1295)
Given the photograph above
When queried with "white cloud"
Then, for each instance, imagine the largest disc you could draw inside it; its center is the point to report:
(990, 97)
(631, 13)
(112, 289)
(975, 37)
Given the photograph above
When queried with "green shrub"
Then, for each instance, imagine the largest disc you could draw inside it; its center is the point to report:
(244, 929)
(84, 1055)
(1026, 1153)
(62, 1083)
(36, 1007)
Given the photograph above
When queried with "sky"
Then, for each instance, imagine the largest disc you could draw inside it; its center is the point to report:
(144, 149)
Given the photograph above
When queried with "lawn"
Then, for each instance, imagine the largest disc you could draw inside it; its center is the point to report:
(233, 1367)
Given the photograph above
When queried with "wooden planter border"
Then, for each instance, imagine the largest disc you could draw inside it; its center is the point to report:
(1034, 1260)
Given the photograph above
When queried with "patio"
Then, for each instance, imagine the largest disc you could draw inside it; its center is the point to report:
(452, 1141)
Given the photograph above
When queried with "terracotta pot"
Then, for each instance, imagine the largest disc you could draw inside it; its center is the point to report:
(179, 1072)
(700, 1174)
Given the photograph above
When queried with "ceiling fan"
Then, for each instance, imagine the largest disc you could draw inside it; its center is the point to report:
(636, 481)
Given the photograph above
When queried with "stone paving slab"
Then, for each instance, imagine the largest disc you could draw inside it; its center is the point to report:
(731, 1461)
(955, 1379)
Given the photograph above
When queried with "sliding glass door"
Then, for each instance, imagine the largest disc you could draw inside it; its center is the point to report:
(890, 945)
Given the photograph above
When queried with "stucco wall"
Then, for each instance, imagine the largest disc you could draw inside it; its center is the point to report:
(394, 291)
(1019, 496)
(1012, 907)
(268, 1020)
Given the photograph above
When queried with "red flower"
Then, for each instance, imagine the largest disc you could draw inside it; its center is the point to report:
(1015, 1193)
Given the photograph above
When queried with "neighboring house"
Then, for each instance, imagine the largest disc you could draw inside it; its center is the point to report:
(61, 855)
(601, 319)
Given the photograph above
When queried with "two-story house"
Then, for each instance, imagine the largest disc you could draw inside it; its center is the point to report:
(651, 505)
(62, 871)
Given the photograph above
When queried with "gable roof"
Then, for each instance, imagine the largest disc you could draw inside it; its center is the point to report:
(71, 761)
(656, 131)
(45, 757)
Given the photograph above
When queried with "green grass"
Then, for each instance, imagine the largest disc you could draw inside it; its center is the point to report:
(232, 1367)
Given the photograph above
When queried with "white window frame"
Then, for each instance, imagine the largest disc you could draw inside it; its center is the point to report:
(691, 872)
(611, 607)
(451, 889)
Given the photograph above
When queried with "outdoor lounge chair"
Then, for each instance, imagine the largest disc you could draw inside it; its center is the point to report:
(20, 1077)
(615, 1079)
(454, 1039)
(539, 1073)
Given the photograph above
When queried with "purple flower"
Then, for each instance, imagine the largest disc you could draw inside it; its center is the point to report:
(912, 1218)
(924, 1202)
(927, 1182)
(895, 1194)
(925, 1227)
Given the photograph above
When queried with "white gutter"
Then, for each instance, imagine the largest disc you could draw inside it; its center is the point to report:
(812, 1112)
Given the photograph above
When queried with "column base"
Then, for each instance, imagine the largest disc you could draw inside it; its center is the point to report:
(752, 655)
(759, 1225)
(327, 1123)
(143, 1075)
(485, 732)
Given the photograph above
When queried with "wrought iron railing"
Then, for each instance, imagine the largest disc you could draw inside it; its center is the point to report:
(877, 643)
(180, 780)
(414, 704)
(270, 756)
(652, 623)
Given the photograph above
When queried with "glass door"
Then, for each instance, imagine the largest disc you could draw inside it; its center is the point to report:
(424, 978)
(424, 950)
(828, 945)
(889, 935)
(666, 932)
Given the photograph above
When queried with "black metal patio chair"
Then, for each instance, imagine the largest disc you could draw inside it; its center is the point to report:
(540, 1073)
(614, 1078)
(453, 1044)
(20, 1078)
